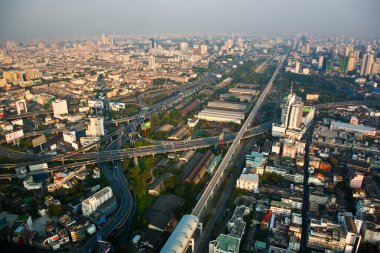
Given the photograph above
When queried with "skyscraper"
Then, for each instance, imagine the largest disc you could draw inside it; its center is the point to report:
(366, 65)
(320, 62)
(60, 107)
(203, 49)
(152, 43)
(343, 63)
(351, 63)
(152, 62)
(292, 109)
(96, 127)
(103, 39)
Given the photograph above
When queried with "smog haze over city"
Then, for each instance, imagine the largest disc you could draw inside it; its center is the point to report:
(49, 18)
(203, 126)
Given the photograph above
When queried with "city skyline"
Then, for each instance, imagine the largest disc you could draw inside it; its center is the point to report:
(45, 19)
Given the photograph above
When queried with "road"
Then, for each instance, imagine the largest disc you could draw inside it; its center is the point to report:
(127, 202)
(215, 180)
(170, 147)
(305, 201)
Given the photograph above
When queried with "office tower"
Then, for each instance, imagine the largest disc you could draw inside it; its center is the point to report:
(96, 127)
(103, 39)
(152, 62)
(366, 65)
(343, 63)
(21, 107)
(351, 63)
(60, 107)
(183, 46)
(90, 204)
(320, 62)
(152, 43)
(203, 49)
(306, 49)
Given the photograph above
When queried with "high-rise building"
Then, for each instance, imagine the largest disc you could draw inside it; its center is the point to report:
(297, 67)
(60, 107)
(90, 204)
(351, 63)
(152, 43)
(343, 63)
(329, 64)
(96, 127)
(21, 106)
(110, 41)
(31, 74)
(306, 49)
(292, 109)
(103, 39)
(366, 65)
(152, 62)
(320, 62)
(376, 67)
(229, 43)
(183, 46)
(12, 76)
(203, 49)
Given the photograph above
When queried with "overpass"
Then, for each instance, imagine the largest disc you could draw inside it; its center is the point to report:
(169, 147)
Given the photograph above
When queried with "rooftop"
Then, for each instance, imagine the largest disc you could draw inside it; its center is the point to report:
(226, 243)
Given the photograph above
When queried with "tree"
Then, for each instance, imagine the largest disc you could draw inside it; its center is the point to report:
(55, 210)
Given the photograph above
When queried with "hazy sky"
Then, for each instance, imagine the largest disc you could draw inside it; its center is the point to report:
(46, 18)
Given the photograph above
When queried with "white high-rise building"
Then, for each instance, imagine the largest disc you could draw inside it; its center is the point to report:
(152, 62)
(96, 127)
(295, 119)
(90, 204)
(292, 110)
(60, 107)
(21, 107)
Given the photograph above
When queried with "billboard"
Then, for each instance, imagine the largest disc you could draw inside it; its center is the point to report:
(14, 135)
(39, 141)
(42, 166)
(146, 125)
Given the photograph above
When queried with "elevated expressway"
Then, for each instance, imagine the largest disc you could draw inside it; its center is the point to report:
(216, 180)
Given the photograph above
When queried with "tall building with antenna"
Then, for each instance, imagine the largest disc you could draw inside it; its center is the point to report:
(295, 117)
